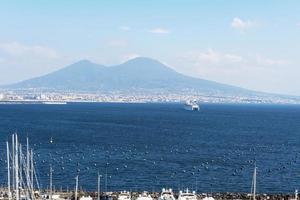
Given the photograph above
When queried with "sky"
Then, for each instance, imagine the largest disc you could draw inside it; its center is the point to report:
(251, 44)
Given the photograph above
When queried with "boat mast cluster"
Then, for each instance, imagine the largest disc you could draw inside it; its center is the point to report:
(21, 174)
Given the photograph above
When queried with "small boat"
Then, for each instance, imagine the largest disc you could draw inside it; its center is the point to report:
(124, 195)
(144, 196)
(187, 195)
(166, 194)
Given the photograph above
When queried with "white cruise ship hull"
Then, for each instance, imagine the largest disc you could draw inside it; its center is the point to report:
(192, 107)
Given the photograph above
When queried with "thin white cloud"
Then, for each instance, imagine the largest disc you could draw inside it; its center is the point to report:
(271, 61)
(212, 56)
(160, 31)
(216, 58)
(298, 24)
(118, 43)
(124, 28)
(18, 49)
(28, 61)
(241, 25)
(233, 58)
(253, 71)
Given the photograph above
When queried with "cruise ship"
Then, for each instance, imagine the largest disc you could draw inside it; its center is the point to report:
(191, 105)
(54, 102)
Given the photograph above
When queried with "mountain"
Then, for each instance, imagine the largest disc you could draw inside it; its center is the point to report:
(139, 74)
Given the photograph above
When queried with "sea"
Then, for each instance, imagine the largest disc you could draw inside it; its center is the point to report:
(149, 146)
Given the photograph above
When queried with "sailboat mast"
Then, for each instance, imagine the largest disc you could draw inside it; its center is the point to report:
(106, 179)
(99, 178)
(13, 161)
(254, 183)
(76, 187)
(17, 168)
(20, 164)
(31, 169)
(8, 172)
(30, 174)
(27, 164)
(50, 193)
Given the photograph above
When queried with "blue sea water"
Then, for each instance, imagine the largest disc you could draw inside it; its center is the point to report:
(150, 146)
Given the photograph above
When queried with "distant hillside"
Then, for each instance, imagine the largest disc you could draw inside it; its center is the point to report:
(140, 74)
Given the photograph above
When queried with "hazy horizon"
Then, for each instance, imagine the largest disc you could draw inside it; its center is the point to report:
(252, 45)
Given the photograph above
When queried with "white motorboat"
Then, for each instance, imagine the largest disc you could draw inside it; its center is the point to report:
(86, 198)
(144, 196)
(124, 195)
(166, 194)
(187, 195)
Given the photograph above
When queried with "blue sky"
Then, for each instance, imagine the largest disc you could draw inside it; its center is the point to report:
(251, 44)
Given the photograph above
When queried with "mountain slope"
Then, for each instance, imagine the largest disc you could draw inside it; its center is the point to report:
(141, 74)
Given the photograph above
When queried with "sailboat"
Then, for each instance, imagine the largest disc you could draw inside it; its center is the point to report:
(20, 169)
